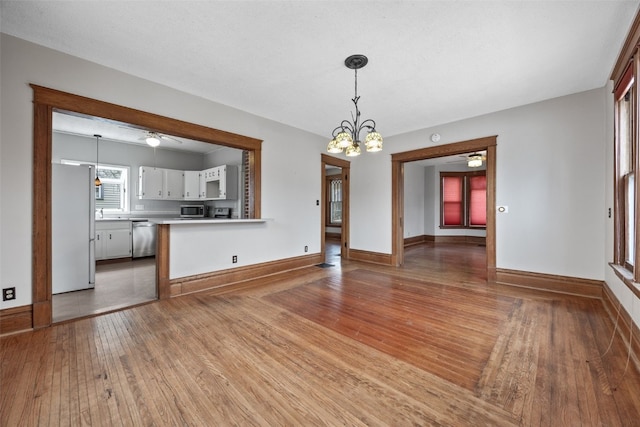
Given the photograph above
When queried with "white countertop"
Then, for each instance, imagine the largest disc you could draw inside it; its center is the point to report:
(180, 221)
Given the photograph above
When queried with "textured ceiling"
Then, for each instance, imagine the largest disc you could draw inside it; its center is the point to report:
(430, 62)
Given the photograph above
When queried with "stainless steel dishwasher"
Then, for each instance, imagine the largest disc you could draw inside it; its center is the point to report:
(144, 238)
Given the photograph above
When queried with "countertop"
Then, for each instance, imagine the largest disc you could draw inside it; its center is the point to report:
(180, 221)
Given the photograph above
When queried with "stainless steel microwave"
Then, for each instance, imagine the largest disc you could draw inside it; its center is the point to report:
(191, 211)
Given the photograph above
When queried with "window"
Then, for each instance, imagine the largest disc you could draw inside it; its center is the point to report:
(112, 194)
(626, 191)
(334, 201)
(463, 199)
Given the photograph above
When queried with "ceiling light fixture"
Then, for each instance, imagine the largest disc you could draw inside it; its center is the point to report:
(153, 139)
(474, 160)
(347, 135)
(97, 180)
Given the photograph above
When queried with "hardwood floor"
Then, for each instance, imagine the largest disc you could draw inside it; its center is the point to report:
(118, 285)
(429, 343)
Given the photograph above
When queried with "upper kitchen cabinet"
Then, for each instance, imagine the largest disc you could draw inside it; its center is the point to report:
(222, 183)
(173, 184)
(218, 183)
(160, 184)
(192, 185)
(150, 183)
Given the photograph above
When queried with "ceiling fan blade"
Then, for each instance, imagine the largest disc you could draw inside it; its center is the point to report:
(172, 139)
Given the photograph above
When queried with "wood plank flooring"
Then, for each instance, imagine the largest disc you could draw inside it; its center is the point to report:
(429, 343)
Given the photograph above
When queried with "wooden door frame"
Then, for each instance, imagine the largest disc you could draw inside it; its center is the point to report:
(45, 102)
(345, 166)
(397, 185)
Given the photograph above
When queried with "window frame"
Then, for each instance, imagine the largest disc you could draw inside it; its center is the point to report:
(329, 201)
(625, 77)
(466, 196)
(125, 180)
(626, 169)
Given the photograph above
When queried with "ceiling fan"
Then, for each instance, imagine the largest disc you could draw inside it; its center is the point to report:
(473, 160)
(153, 138)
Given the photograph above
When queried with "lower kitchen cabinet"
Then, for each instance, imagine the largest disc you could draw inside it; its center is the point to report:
(113, 239)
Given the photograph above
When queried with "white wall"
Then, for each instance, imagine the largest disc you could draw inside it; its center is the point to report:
(289, 188)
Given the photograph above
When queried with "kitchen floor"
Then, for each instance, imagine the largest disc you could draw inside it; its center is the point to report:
(118, 285)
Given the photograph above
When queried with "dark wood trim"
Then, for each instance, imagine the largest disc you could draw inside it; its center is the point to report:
(163, 232)
(397, 186)
(416, 240)
(628, 49)
(624, 323)
(332, 236)
(371, 257)
(397, 212)
(427, 238)
(46, 101)
(41, 222)
(626, 276)
(16, 319)
(92, 108)
(550, 282)
(234, 278)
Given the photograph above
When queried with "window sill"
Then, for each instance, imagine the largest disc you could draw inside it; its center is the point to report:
(627, 278)
(460, 227)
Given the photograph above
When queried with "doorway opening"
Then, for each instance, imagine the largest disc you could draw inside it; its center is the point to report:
(45, 102)
(398, 161)
(337, 231)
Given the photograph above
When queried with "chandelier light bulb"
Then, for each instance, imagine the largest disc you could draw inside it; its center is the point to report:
(344, 140)
(353, 150)
(373, 142)
(333, 147)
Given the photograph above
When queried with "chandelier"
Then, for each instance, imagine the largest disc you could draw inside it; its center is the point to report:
(347, 135)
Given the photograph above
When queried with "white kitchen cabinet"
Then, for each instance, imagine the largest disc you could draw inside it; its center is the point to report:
(99, 242)
(150, 183)
(203, 186)
(113, 239)
(173, 184)
(211, 174)
(223, 184)
(192, 185)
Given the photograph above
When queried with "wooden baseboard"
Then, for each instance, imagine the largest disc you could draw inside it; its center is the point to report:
(332, 236)
(550, 282)
(234, 276)
(372, 257)
(16, 319)
(416, 240)
(623, 321)
(425, 238)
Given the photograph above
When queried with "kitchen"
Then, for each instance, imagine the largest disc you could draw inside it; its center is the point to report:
(118, 253)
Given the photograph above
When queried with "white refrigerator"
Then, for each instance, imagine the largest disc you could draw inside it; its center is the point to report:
(73, 228)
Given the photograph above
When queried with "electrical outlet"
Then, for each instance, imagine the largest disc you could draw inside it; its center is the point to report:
(234, 259)
(8, 294)
(306, 248)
